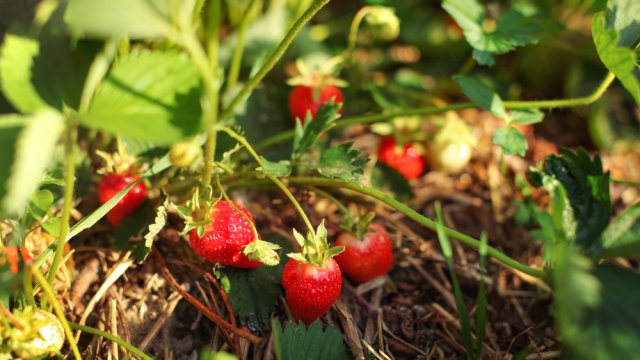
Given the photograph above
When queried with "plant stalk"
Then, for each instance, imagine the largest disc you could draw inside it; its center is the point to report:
(58, 310)
(132, 349)
(273, 58)
(236, 60)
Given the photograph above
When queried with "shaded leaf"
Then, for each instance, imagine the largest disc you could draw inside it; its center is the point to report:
(624, 17)
(620, 60)
(150, 95)
(298, 342)
(482, 95)
(510, 140)
(254, 292)
(596, 305)
(38, 207)
(386, 178)
(342, 162)
(587, 189)
(46, 71)
(512, 29)
(621, 237)
(10, 127)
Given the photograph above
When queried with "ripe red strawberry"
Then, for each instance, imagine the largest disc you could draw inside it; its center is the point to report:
(311, 278)
(226, 236)
(110, 185)
(307, 98)
(311, 290)
(408, 159)
(367, 257)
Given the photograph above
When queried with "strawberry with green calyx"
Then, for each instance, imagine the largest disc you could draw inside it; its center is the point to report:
(314, 88)
(118, 173)
(40, 333)
(368, 252)
(451, 148)
(223, 232)
(311, 278)
(401, 146)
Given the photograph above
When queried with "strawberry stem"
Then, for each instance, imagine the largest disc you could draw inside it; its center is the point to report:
(242, 140)
(236, 60)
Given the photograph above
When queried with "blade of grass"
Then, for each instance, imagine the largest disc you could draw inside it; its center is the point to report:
(463, 312)
(481, 300)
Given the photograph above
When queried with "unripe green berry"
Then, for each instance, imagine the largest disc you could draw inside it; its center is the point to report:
(383, 23)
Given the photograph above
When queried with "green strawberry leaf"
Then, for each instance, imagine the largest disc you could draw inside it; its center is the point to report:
(44, 71)
(137, 19)
(306, 135)
(298, 342)
(581, 201)
(621, 237)
(512, 29)
(527, 116)
(38, 207)
(624, 17)
(386, 178)
(254, 292)
(342, 162)
(510, 140)
(149, 95)
(42, 131)
(279, 169)
(483, 96)
(618, 58)
(595, 305)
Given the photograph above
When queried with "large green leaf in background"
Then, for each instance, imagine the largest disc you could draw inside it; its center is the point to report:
(47, 71)
(512, 29)
(150, 95)
(25, 157)
(137, 19)
(596, 308)
(616, 33)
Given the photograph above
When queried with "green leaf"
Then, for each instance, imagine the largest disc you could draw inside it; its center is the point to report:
(149, 95)
(298, 342)
(482, 95)
(38, 207)
(10, 127)
(463, 312)
(278, 169)
(342, 162)
(386, 178)
(137, 19)
(528, 116)
(510, 140)
(624, 17)
(36, 73)
(621, 237)
(587, 188)
(254, 292)
(34, 150)
(16, 62)
(306, 135)
(596, 306)
(512, 29)
(620, 60)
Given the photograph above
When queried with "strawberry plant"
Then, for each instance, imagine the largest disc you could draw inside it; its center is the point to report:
(506, 225)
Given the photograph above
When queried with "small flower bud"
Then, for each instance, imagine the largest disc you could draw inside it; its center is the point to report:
(383, 23)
